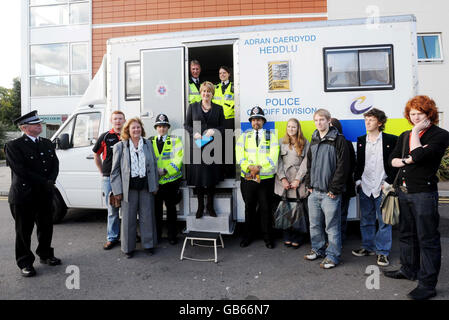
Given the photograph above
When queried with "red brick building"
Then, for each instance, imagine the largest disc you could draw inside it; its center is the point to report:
(120, 18)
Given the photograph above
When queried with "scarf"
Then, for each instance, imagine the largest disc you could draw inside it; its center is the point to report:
(137, 159)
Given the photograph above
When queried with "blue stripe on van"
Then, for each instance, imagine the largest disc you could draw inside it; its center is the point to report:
(353, 129)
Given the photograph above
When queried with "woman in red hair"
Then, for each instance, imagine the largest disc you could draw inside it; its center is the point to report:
(418, 154)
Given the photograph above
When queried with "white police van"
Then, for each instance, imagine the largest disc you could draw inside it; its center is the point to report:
(290, 70)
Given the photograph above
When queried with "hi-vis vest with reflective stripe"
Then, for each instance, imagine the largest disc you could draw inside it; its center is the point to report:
(225, 100)
(194, 94)
(169, 159)
(265, 155)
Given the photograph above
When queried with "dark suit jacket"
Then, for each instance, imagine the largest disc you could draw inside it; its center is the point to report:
(420, 176)
(388, 144)
(32, 167)
(202, 174)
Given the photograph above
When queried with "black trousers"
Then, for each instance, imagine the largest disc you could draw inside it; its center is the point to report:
(258, 199)
(36, 211)
(167, 193)
(419, 238)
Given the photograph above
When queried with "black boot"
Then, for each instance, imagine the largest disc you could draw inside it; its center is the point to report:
(200, 195)
(210, 202)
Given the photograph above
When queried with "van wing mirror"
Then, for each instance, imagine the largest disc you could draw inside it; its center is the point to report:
(63, 141)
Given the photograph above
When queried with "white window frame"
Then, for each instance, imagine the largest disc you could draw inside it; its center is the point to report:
(68, 3)
(69, 68)
(440, 43)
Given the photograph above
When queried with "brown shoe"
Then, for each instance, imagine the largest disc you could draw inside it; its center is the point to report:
(109, 245)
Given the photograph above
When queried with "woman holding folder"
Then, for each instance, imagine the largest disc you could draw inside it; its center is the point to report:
(205, 124)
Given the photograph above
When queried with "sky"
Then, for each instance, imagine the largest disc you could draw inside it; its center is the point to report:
(10, 51)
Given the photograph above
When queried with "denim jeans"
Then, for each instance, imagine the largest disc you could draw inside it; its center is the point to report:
(113, 213)
(325, 218)
(419, 238)
(379, 242)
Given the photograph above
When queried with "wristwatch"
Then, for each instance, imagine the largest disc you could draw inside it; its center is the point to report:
(403, 160)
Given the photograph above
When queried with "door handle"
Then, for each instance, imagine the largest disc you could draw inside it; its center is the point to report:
(90, 157)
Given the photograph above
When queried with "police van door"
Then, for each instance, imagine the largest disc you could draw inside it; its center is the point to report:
(162, 86)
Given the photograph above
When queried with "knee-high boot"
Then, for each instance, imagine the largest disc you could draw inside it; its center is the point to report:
(200, 196)
(210, 202)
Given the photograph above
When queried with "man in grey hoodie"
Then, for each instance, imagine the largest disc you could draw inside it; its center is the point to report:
(327, 170)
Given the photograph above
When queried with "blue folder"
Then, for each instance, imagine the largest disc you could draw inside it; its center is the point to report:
(203, 141)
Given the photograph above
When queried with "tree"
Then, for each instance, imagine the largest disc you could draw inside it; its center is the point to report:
(10, 105)
(10, 109)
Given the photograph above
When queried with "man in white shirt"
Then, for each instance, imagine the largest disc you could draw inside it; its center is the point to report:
(372, 174)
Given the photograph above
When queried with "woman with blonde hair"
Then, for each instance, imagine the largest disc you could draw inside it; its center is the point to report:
(134, 182)
(205, 118)
(292, 167)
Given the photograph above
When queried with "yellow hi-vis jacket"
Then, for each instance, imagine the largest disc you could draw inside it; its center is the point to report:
(169, 159)
(265, 155)
(194, 94)
(225, 100)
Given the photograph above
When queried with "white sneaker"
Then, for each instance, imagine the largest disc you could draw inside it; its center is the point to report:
(312, 256)
(382, 260)
(327, 264)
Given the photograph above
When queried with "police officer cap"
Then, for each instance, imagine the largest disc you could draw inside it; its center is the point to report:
(161, 120)
(257, 112)
(29, 118)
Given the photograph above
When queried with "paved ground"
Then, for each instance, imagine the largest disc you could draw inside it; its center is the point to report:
(251, 273)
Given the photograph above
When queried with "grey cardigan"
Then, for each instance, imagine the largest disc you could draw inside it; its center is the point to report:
(121, 168)
(292, 167)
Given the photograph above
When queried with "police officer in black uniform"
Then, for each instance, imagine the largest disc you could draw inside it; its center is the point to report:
(34, 168)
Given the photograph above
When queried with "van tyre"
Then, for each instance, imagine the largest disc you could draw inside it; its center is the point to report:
(59, 209)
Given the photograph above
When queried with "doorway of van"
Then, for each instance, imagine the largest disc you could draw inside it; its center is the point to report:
(211, 59)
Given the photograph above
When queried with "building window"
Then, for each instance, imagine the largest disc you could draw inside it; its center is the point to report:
(429, 48)
(59, 69)
(358, 68)
(44, 13)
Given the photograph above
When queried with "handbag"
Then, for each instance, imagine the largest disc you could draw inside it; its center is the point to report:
(390, 199)
(290, 214)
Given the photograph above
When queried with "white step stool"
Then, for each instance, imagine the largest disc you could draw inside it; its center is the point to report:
(202, 236)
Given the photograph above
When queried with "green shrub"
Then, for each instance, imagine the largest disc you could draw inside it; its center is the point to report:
(443, 171)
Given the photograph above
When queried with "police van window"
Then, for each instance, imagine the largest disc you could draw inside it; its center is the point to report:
(86, 129)
(342, 69)
(132, 80)
(68, 128)
(359, 68)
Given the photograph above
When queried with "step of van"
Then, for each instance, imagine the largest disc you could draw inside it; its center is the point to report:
(222, 223)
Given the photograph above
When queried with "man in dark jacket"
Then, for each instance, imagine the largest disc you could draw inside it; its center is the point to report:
(418, 156)
(34, 168)
(327, 170)
(350, 184)
(373, 173)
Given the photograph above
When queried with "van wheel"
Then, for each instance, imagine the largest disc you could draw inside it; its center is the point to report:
(59, 209)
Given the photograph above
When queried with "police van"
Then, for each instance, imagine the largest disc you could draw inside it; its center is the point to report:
(290, 70)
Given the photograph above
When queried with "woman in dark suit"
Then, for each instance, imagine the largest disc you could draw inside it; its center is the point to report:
(205, 118)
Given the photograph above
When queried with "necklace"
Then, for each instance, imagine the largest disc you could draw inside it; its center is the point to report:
(205, 109)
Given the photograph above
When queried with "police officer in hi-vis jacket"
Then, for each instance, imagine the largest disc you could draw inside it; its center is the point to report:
(257, 152)
(169, 154)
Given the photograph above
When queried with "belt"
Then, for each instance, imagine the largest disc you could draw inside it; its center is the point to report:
(403, 189)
